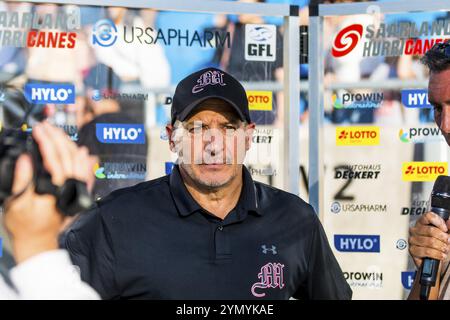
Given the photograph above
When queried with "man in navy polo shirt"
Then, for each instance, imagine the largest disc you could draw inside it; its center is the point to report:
(207, 230)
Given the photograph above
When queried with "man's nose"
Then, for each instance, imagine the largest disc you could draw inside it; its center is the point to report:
(445, 119)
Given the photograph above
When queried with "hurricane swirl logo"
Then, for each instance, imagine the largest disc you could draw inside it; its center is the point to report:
(346, 40)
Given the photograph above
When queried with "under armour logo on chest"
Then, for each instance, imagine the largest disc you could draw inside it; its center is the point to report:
(265, 249)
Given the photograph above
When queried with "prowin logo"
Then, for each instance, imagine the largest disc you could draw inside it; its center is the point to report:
(39, 93)
(357, 243)
(370, 280)
(120, 133)
(120, 170)
(346, 40)
(358, 100)
(420, 135)
(423, 171)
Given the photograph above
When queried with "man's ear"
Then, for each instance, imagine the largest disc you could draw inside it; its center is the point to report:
(169, 132)
(249, 135)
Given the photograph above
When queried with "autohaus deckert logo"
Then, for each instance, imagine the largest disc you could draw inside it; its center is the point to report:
(394, 39)
(417, 208)
(423, 171)
(358, 100)
(358, 171)
(357, 243)
(120, 133)
(357, 136)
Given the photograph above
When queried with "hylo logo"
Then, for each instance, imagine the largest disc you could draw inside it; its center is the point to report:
(104, 33)
(357, 243)
(357, 136)
(260, 42)
(415, 98)
(120, 133)
(346, 40)
(423, 171)
(50, 93)
(408, 279)
(169, 167)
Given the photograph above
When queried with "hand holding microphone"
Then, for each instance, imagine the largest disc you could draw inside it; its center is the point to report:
(429, 241)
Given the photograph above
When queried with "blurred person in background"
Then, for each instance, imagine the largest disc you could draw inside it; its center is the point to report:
(33, 223)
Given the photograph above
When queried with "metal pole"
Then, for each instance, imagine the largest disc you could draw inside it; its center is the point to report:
(291, 58)
(316, 70)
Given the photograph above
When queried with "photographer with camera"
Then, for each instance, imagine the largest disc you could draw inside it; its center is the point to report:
(35, 219)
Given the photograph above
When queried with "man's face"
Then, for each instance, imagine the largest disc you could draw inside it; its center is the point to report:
(211, 144)
(439, 97)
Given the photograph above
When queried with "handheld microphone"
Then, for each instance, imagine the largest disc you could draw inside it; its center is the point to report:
(440, 205)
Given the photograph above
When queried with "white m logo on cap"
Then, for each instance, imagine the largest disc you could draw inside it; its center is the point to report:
(208, 78)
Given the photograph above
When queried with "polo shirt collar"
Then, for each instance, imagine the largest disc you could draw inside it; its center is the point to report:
(186, 204)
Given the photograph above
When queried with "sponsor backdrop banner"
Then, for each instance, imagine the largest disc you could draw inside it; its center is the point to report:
(106, 76)
(383, 149)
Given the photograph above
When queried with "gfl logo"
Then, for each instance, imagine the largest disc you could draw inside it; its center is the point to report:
(104, 33)
(346, 40)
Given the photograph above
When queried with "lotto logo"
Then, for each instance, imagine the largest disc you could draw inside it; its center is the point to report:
(39, 93)
(423, 171)
(260, 100)
(120, 133)
(357, 136)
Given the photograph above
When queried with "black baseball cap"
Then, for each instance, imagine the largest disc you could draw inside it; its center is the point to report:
(206, 84)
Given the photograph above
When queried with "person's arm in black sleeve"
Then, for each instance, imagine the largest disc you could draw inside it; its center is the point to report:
(90, 247)
(324, 280)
